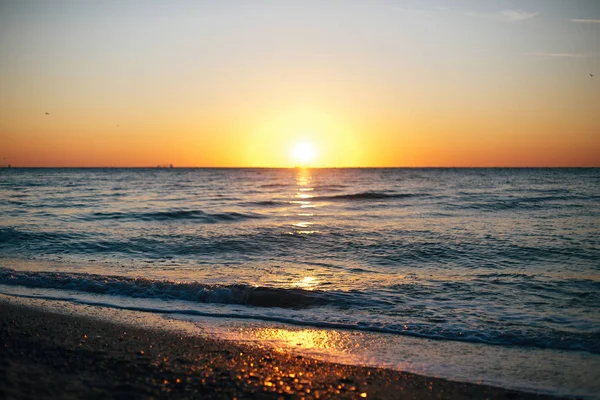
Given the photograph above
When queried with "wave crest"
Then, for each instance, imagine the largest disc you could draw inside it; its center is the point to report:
(163, 289)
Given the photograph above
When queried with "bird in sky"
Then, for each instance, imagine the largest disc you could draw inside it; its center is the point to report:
(591, 75)
(47, 113)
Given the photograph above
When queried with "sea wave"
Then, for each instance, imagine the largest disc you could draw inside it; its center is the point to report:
(522, 203)
(12, 236)
(276, 185)
(178, 215)
(369, 195)
(265, 203)
(191, 245)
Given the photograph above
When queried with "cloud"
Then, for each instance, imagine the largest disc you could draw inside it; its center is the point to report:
(415, 11)
(585, 21)
(506, 15)
(549, 55)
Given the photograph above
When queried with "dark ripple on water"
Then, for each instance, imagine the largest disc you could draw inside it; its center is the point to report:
(178, 215)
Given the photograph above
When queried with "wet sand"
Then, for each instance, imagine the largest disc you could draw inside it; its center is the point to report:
(50, 354)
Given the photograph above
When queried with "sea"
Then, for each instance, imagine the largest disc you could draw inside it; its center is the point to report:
(481, 275)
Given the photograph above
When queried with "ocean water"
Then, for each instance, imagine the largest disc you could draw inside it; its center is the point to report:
(505, 259)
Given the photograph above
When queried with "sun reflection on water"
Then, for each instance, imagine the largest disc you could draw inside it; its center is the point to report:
(304, 177)
(308, 282)
(303, 200)
(303, 224)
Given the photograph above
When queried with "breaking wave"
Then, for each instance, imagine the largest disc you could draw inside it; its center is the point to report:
(164, 289)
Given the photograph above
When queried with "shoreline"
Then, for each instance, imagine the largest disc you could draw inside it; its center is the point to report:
(48, 353)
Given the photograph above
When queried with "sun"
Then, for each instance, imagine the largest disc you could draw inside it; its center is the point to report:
(303, 153)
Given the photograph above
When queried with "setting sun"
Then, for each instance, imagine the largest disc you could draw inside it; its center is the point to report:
(303, 153)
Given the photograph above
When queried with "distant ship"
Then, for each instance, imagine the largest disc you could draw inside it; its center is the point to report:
(170, 166)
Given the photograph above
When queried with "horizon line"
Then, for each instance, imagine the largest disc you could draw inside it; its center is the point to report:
(297, 167)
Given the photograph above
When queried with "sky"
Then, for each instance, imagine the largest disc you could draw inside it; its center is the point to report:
(375, 83)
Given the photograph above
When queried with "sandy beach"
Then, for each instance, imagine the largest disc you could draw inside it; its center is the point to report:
(50, 354)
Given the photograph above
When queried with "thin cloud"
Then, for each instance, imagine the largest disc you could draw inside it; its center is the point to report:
(517, 15)
(559, 55)
(506, 15)
(585, 21)
(416, 11)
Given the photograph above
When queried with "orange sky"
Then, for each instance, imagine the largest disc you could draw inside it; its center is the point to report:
(382, 84)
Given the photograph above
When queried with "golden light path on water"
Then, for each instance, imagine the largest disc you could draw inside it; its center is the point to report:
(304, 196)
